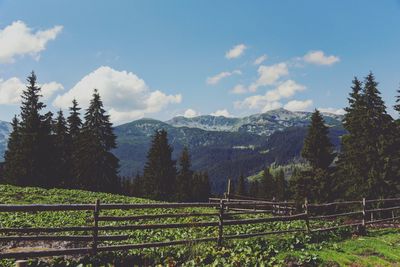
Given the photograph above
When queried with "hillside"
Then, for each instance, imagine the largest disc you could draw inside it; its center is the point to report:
(221, 154)
(224, 147)
(380, 247)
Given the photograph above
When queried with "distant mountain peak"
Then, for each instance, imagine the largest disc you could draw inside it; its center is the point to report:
(261, 124)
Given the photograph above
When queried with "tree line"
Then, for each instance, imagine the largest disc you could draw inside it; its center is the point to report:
(367, 165)
(61, 152)
(68, 152)
(162, 180)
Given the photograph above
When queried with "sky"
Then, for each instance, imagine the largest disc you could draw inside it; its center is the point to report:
(160, 59)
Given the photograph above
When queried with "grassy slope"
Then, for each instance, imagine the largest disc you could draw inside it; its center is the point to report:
(380, 248)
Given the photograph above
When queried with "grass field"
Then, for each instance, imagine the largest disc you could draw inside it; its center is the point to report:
(338, 248)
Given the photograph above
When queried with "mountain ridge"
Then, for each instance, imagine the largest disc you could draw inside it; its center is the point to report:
(261, 123)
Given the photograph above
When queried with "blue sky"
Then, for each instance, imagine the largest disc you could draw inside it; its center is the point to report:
(160, 59)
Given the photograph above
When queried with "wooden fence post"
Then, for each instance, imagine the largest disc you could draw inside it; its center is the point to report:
(96, 226)
(364, 217)
(228, 194)
(21, 263)
(221, 223)
(273, 206)
(306, 216)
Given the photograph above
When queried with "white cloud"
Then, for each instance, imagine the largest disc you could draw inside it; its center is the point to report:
(190, 113)
(215, 79)
(319, 58)
(271, 106)
(289, 88)
(336, 111)
(236, 51)
(257, 102)
(269, 75)
(221, 112)
(270, 100)
(260, 59)
(298, 105)
(239, 89)
(11, 90)
(125, 95)
(18, 39)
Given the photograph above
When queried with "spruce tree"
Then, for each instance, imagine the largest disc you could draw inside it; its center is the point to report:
(184, 177)
(280, 184)
(63, 151)
(96, 167)
(366, 164)
(160, 171)
(317, 148)
(201, 187)
(12, 169)
(267, 185)
(254, 188)
(34, 157)
(241, 186)
(315, 182)
(74, 121)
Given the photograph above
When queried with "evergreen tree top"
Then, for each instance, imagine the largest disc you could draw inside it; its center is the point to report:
(31, 105)
(61, 124)
(184, 160)
(317, 148)
(74, 120)
(397, 106)
(97, 122)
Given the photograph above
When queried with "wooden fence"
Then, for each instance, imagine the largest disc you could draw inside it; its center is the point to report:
(223, 209)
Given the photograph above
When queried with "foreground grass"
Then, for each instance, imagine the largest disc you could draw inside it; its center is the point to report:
(380, 248)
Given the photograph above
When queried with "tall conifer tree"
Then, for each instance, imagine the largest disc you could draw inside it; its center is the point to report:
(184, 177)
(160, 171)
(241, 186)
(267, 184)
(317, 148)
(12, 169)
(74, 121)
(63, 151)
(366, 166)
(96, 167)
(34, 158)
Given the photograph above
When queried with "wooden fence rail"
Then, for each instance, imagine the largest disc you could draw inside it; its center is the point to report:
(225, 209)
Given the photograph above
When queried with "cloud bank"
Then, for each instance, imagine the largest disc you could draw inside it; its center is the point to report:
(125, 95)
(18, 39)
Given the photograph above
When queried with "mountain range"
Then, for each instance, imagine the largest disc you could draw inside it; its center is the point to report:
(222, 146)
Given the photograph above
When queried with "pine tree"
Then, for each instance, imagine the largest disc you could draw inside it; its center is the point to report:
(96, 167)
(366, 164)
(184, 177)
(74, 128)
(74, 121)
(34, 158)
(280, 183)
(241, 186)
(317, 148)
(12, 171)
(254, 189)
(267, 185)
(201, 187)
(160, 171)
(63, 151)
